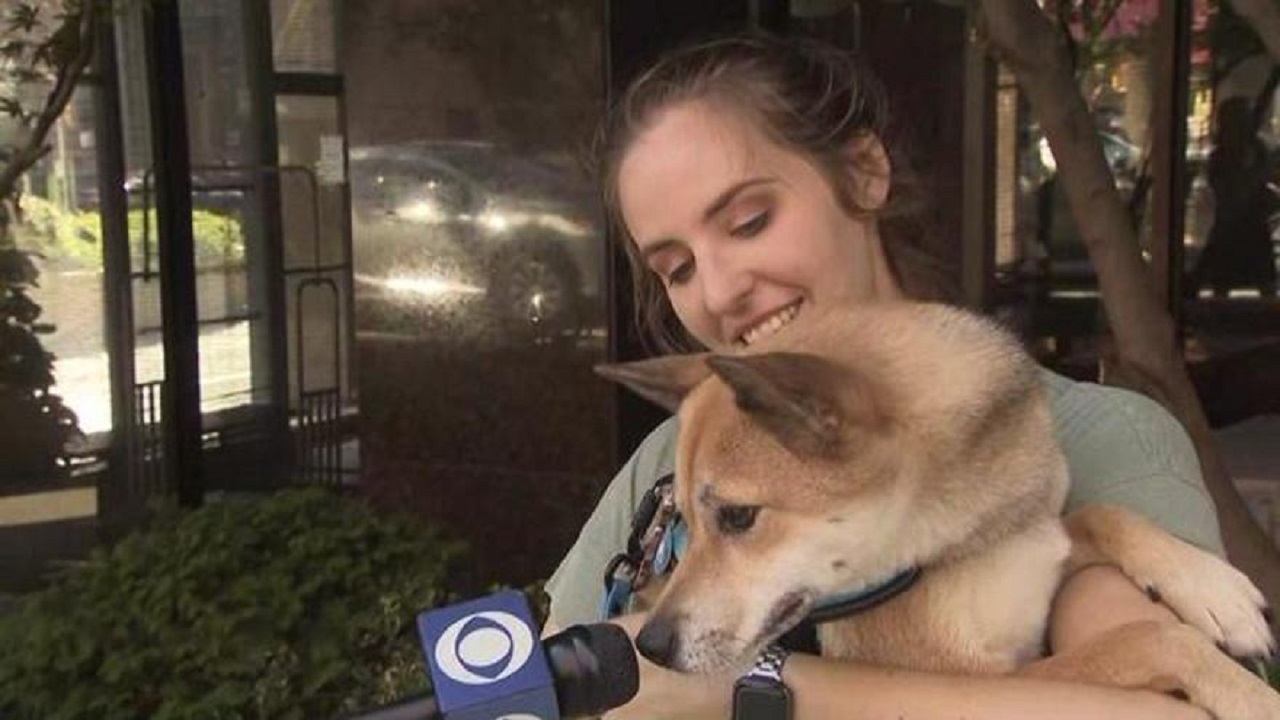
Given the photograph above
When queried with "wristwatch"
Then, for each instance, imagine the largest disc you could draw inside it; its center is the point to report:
(761, 694)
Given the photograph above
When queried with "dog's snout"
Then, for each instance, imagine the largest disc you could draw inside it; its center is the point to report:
(657, 640)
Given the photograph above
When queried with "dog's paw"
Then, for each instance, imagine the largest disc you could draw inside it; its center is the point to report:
(1202, 589)
(1209, 594)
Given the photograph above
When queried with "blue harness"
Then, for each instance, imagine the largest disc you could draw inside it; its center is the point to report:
(659, 537)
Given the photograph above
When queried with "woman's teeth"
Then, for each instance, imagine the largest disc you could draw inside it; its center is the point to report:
(771, 325)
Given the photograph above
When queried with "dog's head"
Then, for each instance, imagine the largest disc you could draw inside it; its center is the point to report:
(802, 474)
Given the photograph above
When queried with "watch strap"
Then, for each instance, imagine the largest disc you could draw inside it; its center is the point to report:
(768, 665)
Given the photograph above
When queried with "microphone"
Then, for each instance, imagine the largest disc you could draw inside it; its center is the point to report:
(483, 661)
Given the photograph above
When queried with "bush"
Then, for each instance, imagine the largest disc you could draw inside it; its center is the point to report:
(62, 237)
(74, 239)
(218, 241)
(299, 604)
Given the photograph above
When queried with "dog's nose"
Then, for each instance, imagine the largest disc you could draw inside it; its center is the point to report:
(657, 641)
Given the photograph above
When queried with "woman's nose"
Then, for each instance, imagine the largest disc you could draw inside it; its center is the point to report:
(726, 284)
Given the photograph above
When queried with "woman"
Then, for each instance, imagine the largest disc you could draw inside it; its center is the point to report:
(755, 183)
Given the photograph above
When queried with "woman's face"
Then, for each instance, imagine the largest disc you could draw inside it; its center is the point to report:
(744, 235)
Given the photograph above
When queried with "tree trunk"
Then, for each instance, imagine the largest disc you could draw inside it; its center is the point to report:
(1146, 355)
(1264, 17)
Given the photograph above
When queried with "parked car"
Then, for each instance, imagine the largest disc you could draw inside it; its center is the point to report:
(471, 218)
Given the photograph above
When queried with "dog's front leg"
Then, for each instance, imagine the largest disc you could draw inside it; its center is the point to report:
(1166, 657)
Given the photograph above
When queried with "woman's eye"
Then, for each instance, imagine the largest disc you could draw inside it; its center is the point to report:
(681, 273)
(736, 519)
(753, 226)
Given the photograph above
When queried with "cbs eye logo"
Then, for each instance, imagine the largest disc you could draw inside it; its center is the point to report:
(483, 648)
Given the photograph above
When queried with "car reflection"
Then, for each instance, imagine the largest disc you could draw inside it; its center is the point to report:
(420, 287)
(509, 239)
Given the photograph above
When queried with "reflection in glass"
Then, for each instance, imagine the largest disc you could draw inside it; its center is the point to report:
(1052, 281)
(1233, 158)
(1241, 173)
(312, 199)
(479, 269)
(509, 236)
(302, 35)
(1232, 244)
(224, 206)
(60, 221)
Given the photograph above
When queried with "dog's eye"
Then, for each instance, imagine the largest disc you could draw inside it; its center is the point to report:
(736, 519)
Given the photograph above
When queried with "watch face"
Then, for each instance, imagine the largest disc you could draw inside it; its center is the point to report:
(761, 700)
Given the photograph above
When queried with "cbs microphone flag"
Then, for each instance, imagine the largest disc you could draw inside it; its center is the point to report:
(486, 661)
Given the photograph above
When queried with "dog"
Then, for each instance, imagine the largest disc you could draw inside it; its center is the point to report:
(850, 446)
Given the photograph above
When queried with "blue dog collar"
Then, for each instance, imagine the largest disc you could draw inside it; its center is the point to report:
(839, 605)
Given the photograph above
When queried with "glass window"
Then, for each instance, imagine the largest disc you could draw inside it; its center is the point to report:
(1231, 247)
(302, 35)
(479, 268)
(60, 221)
(312, 205)
(1047, 273)
(1233, 157)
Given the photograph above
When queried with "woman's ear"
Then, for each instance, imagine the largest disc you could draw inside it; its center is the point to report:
(870, 171)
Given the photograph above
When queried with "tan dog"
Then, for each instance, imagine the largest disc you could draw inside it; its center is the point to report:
(847, 448)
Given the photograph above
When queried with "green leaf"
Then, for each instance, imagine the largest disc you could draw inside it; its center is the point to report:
(23, 17)
(11, 107)
(13, 49)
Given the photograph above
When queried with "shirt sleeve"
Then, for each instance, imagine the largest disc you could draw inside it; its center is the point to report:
(1123, 448)
(577, 586)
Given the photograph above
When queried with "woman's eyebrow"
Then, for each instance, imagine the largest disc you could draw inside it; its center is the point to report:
(723, 199)
(720, 203)
(656, 248)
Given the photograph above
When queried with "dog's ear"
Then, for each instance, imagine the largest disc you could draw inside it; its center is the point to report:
(796, 397)
(662, 380)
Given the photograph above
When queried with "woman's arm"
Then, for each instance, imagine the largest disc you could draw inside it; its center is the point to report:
(1094, 600)
(1097, 599)
(825, 689)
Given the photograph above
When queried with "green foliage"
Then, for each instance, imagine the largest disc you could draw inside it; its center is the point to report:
(75, 239)
(44, 49)
(299, 604)
(37, 425)
(218, 240)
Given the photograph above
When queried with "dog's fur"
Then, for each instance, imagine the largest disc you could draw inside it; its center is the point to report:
(899, 434)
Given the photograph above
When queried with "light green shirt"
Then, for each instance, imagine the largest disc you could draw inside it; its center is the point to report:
(1122, 448)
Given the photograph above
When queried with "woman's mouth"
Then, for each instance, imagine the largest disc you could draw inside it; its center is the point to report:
(770, 325)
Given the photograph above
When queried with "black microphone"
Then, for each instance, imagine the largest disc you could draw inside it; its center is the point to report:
(593, 667)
